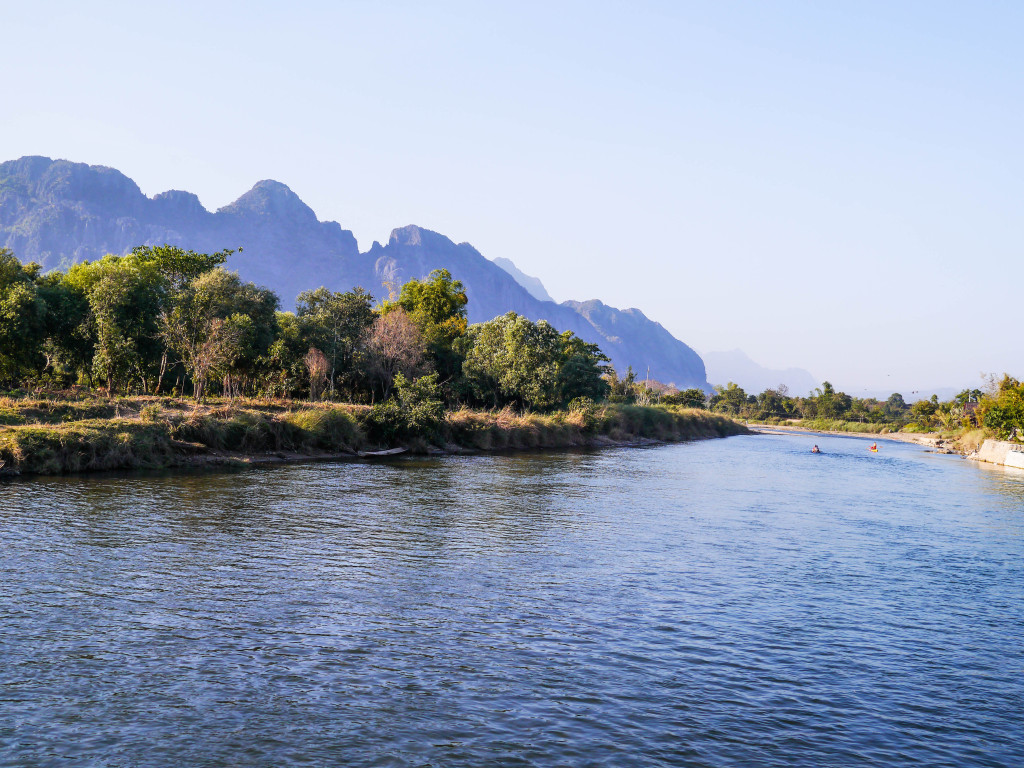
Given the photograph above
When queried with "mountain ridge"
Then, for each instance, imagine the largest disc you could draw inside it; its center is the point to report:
(58, 212)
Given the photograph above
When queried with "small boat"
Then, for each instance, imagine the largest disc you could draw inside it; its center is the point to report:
(375, 454)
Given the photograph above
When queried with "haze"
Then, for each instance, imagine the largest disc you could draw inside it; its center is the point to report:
(833, 188)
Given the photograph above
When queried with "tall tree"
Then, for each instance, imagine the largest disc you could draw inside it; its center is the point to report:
(125, 298)
(514, 361)
(22, 318)
(176, 268)
(336, 323)
(212, 324)
(396, 347)
(581, 369)
(437, 306)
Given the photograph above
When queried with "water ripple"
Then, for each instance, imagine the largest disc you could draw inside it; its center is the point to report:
(732, 603)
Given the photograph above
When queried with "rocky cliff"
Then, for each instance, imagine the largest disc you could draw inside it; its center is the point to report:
(57, 213)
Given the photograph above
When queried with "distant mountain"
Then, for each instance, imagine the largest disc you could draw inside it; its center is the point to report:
(57, 213)
(736, 366)
(628, 337)
(530, 283)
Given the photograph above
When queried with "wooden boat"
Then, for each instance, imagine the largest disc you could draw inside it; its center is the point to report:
(375, 454)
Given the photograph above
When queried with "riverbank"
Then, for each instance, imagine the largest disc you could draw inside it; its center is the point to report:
(939, 442)
(49, 436)
(1002, 453)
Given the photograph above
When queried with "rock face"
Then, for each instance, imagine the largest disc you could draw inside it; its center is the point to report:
(57, 213)
(626, 336)
(633, 338)
(530, 283)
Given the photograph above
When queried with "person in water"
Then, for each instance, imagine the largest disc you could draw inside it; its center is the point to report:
(815, 450)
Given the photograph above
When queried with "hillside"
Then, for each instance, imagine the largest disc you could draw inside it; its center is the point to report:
(530, 283)
(736, 366)
(57, 213)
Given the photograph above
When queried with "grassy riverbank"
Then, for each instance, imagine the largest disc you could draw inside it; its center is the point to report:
(65, 435)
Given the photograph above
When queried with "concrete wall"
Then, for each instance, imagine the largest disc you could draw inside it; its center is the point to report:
(1001, 452)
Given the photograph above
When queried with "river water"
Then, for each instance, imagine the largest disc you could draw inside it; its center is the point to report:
(735, 602)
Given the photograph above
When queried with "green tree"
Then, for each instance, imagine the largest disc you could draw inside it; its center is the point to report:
(337, 323)
(830, 403)
(216, 321)
(176, 268)
(688, 398)
(895, 406)
(437, 307)
(70, 332)
(283, 366)
(581, 369)
(125, 298)
(514, 361)
(1003, 410)
(729, 399)
(621, 390)
(22, 319)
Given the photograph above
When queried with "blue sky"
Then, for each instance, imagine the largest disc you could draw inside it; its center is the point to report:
(834, 186)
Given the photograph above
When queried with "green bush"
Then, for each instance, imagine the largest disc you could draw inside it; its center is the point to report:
(386, 422)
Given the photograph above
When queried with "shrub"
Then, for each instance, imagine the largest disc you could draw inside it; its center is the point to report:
(150, 413)
(421, 404)
(386, 422)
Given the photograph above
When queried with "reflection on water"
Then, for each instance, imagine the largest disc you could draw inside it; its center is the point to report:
(734, 602)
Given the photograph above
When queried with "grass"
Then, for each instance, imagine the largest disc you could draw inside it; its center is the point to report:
(837, 425)
(63, 435)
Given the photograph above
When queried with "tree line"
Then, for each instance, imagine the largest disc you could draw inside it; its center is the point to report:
(999, 407)
(166, 320)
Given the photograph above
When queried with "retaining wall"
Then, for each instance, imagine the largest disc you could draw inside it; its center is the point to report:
(1001, 452)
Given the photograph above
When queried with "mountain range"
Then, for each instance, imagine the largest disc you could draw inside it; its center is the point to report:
(57, 213)
(736, 366)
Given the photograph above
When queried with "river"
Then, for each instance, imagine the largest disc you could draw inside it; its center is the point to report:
(737, 602)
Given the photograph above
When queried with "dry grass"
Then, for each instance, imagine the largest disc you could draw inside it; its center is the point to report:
(970, 440)
(54, 436)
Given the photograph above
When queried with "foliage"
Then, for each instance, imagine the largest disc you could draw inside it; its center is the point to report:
(688, 398)
(211, 325)
(437, 307)
(729, 399)
(1003, 411)
(512, 360)
(417, 411)
(421, 401)
(337, 323)
(23, 314)
(1000, 410)
(394, 346)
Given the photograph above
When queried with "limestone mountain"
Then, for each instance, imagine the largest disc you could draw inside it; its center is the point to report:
(57, 213)
(736, 366)
(530, 283)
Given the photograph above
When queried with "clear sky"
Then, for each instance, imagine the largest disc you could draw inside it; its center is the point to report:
(834, 186)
